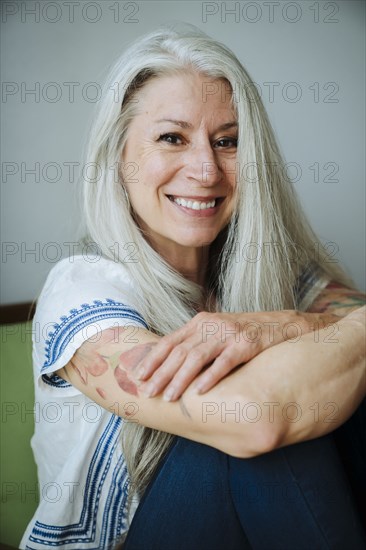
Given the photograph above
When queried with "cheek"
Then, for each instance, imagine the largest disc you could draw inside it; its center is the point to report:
(149, 180)
(231, 202)
(232, 178)
(229, 167)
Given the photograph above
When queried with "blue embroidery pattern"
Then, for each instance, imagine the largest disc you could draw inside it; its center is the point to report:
(305, 282)
(113, 519)
(77, 320)
(55, 380)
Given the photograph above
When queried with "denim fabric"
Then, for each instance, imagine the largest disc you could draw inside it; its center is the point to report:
(297, 497)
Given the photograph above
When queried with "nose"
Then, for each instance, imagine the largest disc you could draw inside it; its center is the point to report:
(202, 165)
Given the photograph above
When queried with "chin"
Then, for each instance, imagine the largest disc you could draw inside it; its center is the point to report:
(196, 241)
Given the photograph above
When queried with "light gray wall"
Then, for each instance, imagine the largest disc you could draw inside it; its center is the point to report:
(311, 52)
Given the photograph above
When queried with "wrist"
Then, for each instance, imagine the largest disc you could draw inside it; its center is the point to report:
(356, 318)
(315, 321)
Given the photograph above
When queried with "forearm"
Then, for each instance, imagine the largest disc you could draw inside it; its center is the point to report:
(104, 370)
(311, 372)
(314, 384)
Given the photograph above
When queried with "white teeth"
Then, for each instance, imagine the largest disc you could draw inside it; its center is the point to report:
(194, 205)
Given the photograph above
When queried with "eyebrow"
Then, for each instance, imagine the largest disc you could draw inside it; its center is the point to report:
(184, 124)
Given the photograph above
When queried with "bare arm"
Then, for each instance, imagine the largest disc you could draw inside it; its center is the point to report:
(338, 300)
(317, 382)
(104, 370)
(280, 397)
(211, 345)
(341, 360)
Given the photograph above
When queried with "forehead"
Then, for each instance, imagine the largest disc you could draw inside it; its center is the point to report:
(186, 92)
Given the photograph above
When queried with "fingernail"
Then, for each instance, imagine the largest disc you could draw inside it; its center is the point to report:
(149, 390)
(140, 373)
(198, 388)
(169, 394)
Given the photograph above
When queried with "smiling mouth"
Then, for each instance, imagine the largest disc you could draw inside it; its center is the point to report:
(195, 204)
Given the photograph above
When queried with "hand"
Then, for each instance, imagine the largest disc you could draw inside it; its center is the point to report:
(356, 316)
(216, 343)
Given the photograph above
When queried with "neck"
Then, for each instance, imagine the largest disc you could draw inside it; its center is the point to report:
(189, 262)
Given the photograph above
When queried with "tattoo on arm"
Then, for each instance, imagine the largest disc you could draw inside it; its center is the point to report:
(101, 392)
(338, 299)
(81, 371)
(127, 363)
(124, 364)
(184, 408)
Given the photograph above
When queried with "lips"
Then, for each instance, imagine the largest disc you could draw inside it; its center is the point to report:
(201, 207)
(196, 203)
(199, 198)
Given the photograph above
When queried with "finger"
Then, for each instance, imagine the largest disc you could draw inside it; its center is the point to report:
(222, 366)
(163, 348)
(161, 352)
(149, 364)
(198, 358)
(164, 374)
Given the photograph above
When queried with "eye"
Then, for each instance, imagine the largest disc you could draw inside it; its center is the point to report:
(174, 139)
(226, 143)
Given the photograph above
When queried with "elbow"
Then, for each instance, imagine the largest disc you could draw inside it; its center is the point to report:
(248, 427)
(269, 438)
(262, 439)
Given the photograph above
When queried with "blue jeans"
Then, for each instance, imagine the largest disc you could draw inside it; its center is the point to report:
(297, 497)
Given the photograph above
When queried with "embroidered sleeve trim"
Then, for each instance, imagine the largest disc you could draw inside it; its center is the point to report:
(55, 381)
(311, 277)
(64, 331)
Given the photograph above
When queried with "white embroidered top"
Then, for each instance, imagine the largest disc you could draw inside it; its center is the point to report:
(82, 474)
(83, 480)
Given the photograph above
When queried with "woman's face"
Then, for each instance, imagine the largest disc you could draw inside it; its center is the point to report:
(182, 144)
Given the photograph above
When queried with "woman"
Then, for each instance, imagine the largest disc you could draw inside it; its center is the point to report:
(184, 173)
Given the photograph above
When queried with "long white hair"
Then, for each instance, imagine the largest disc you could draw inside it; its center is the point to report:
(255, 261)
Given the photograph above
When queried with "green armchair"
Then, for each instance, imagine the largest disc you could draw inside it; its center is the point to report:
(19, 491)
